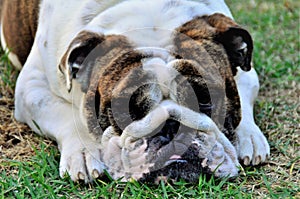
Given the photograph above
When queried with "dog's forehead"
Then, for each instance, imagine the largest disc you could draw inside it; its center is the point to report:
(146, 22)
(191, 47)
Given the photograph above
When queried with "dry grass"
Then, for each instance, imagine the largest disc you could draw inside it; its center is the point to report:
(17, 141)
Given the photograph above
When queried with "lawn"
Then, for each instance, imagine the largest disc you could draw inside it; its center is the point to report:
(29, 164)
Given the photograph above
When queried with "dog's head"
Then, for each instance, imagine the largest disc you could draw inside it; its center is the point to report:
(125, 84)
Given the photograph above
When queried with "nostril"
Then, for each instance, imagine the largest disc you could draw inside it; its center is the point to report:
(160, 140)
(164, 140)
(170, 129)
(165, 135)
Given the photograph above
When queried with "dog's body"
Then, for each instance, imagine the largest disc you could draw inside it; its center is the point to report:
(61, 95)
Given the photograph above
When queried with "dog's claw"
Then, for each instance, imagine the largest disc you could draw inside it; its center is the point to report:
(81, 160)
(246, 160)
(81, 176)
(257, 160)
(252, 145)
(95, 174)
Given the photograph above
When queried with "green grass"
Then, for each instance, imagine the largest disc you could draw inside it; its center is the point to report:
(274, 26)
(39, 178)
(8, 75)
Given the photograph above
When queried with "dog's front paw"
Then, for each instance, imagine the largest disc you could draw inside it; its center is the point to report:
(252, 146)
(219, 159)
(81, 160)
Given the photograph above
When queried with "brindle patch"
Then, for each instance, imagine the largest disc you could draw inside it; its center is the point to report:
(204, 56)
(19, 21)
(222, 30)
(107, 70)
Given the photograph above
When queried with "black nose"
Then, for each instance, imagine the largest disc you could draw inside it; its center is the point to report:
(170, 129)
(164, 135)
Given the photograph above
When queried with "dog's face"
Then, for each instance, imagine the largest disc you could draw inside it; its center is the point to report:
(125, 84)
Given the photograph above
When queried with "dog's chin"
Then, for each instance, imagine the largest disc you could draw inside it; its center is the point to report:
(174, 165)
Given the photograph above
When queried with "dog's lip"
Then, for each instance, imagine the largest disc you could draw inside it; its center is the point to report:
(174, 164)
(170, 152)
(175, 159)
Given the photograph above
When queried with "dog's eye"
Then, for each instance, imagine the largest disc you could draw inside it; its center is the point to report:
(141, 102)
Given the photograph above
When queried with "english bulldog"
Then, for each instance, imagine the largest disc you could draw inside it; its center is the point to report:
(146, 90)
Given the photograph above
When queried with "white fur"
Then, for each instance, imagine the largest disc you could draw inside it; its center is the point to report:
(252, 146)
(42, 98)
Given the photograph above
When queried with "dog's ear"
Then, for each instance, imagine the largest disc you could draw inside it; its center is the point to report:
(74, 60)
(236, 40)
